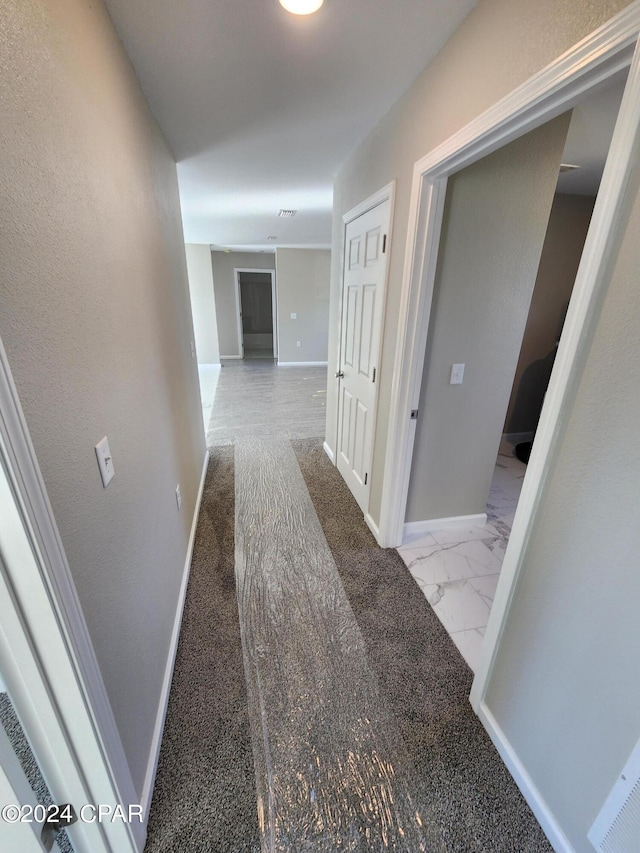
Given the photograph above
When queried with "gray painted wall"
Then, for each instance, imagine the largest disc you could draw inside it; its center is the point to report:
(97, 326)
(203, 305)
(303, 277)
(498, 46)
(495, 220)
(565, 690)
(561, 253)
(224, 286)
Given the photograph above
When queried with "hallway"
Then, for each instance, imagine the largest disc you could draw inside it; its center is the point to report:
(329, 709)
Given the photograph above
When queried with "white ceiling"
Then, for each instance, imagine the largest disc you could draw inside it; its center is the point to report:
(260, 107)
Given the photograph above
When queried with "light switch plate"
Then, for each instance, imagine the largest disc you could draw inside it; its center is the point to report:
(105, 461)
(457, 373)
(294, 316)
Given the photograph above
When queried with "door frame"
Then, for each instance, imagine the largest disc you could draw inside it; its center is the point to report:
(608, 50)
(47, 658)
(274, 313)
(385, 193)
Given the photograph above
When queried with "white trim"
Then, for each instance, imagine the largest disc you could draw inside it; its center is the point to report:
(385, 193)
(274, 308)
(373, 527)
(227, 357)
(302, 363)
(238, 316)
(75, 696)
(618, 808)
(525, 783)
(591, 280)
(210, 365)
(329, 453)
(376, 198)
(414, 529)
(547, 94)
(156, 741)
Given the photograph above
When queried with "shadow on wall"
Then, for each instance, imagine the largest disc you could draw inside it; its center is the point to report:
(533, 386)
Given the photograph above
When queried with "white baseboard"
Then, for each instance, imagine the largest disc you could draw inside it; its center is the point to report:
(525, 783)
(303, 363)
(329, 452)
(413, 529)
(517, 437)
(152, 766)
(373, 527)
(229, 356)
(212, 366)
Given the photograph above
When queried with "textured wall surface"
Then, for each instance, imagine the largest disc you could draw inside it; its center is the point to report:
(499, 45)
(561, 253)
(96, 322)
(565, 689)
(303, 289)
(224, 286)
(495, 220)
(203, 305)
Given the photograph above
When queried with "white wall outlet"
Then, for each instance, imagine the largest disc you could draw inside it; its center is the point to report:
(105, 461)
(457, 373)
(178, 496)
(298, 344)
(294, 316)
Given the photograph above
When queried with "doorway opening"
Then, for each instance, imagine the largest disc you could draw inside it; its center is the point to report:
(459, 566)
(256, 304)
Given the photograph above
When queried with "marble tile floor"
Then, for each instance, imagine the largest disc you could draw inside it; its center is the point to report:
(458, 569)
(258, 398)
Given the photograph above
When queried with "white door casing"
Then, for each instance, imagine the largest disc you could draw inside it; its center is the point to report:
(46, 658)
(366, 252)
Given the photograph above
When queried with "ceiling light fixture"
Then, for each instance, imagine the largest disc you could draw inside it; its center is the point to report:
(287, 214)
(301, 7)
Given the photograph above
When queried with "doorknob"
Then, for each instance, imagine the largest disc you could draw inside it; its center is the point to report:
(340, 374)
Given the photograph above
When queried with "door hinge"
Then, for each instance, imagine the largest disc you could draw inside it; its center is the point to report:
(414, 414)
(384, 244)
(365, 479)
(58, 818)
(374, 375)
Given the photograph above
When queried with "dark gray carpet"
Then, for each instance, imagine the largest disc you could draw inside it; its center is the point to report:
(204, 797)
(462, 782)
(18, 740)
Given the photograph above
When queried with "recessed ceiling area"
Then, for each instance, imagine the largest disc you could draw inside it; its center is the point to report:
(260, 107)
(589, 137)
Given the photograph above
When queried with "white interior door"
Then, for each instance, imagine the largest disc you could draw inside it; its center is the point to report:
(22, 816)
(364, 278)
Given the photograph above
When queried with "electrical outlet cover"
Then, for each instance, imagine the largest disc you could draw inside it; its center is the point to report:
(105, 461)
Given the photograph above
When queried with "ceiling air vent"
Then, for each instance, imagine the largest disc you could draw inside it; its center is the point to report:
(617, 827)
(287, 214)
(272, 238)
